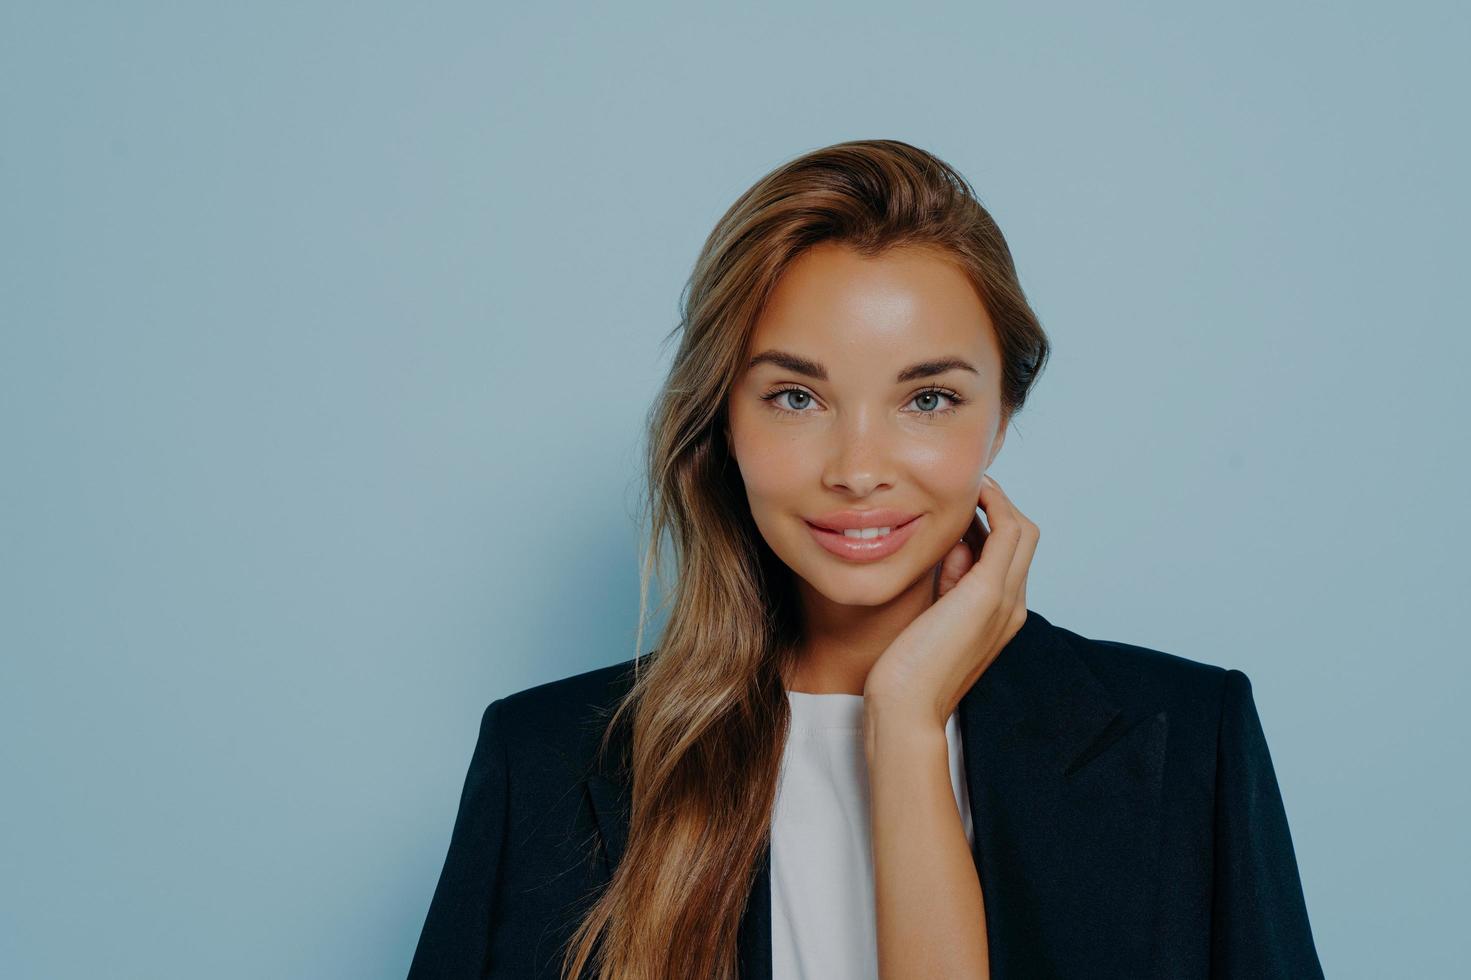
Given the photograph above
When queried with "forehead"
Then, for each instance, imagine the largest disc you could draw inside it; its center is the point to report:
(834, 304)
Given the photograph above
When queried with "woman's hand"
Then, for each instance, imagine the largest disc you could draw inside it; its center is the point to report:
(979, 607)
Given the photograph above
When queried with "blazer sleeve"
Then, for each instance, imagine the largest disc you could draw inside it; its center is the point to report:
(1259, 919)
(455, 936)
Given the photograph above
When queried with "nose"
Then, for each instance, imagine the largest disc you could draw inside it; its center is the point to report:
(859, 458)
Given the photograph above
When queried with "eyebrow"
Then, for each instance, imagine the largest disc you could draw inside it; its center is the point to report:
(802, 365)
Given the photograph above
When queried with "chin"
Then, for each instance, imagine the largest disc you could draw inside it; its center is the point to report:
(862, 586)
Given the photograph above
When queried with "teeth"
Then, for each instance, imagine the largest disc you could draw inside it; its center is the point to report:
(867, 532)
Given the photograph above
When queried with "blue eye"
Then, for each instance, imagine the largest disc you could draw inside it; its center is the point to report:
(955, 401)
(787, 391)
(932, 393)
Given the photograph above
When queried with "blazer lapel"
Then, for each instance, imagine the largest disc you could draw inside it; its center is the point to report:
(1064, 798)
(611, 800)
(1064, 795)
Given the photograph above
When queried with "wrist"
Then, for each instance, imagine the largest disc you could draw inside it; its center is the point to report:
(899, 727)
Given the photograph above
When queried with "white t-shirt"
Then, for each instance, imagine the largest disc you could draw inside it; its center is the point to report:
(822, 903)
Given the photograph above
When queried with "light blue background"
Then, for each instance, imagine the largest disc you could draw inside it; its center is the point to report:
(329, 329)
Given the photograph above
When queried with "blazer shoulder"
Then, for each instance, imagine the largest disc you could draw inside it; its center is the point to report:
(1151, 679)
(568, 714)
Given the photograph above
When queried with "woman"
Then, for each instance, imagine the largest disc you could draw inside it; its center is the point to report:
(857, 752)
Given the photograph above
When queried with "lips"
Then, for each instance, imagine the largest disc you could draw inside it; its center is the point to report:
(865, 549)
(845, 520)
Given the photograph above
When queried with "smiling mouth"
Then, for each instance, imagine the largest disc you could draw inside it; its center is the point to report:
(866, 545)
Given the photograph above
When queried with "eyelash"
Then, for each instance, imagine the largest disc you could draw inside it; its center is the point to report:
(954, 397)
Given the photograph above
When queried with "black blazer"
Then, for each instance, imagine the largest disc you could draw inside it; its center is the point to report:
(1127, 824)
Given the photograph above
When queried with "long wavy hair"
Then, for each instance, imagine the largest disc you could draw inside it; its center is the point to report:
(708, 708)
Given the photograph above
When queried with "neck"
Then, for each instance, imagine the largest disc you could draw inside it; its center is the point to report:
(843, 642)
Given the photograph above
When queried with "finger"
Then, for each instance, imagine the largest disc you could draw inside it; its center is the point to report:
(996, 505)
(1001, 510)
(990, 572)
(1021, 560)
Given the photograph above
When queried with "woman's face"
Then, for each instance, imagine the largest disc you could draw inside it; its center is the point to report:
(871, 383)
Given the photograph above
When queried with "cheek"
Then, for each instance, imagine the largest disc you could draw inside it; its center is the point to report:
(768, 482)
(773, 483)
(771, 467)
(951, 471)
(952, 483)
